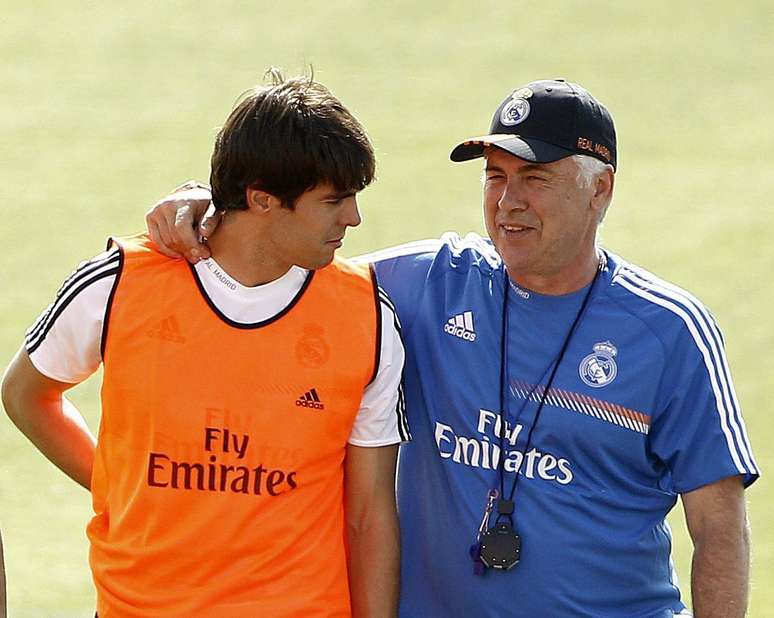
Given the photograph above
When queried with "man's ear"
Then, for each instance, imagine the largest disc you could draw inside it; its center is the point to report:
(603, 189)
(259, 201)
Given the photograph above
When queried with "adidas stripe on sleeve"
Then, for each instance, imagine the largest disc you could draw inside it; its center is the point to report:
(708, 410)
(382, 416)
(64, 342)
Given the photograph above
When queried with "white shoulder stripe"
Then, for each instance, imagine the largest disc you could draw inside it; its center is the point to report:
(400, 405)
(410, 248)
(400, 409)
(714, 361)
(453, 240)
(81, 279)
(475, 242)
(74, 278)
(714, 338)
(82, 272)
(387, 302)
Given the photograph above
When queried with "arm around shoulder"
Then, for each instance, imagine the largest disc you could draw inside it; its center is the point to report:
(37, 406)
(177, 220)
(717, 522)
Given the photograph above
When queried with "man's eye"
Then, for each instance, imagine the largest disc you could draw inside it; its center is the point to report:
(532, 177)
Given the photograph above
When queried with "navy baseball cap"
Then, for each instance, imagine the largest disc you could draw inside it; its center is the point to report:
(545, 121)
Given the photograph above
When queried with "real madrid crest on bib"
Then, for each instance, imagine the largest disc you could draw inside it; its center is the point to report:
(599, 369)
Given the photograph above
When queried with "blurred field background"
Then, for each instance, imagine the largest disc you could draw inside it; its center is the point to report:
(106, 106)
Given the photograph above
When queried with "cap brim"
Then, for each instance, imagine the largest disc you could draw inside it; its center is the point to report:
(523, 147)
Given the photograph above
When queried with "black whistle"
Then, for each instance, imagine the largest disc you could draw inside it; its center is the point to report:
(500, 547)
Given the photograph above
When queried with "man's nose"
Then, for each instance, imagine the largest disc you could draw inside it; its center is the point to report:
(350, 214)
(513, 197)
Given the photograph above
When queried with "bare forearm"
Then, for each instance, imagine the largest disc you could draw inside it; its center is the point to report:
(720, 575)
(374, 567)
(372, 531)
(37, 406)
(60, 433)
(717, 522)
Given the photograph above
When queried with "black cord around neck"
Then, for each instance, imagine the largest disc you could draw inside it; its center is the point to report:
(505, 382)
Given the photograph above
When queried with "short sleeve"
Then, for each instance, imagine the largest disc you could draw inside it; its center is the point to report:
(64, 342)
(381, 420)
(699, 432)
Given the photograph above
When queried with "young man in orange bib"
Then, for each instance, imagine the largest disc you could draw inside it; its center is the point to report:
(268, 490)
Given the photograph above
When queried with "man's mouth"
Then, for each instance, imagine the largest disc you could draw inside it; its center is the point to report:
(516, 229)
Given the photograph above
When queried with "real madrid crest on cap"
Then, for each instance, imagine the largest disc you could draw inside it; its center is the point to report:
(599, 369)
(517, 109)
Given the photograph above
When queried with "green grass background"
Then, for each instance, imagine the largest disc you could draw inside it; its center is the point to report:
(105, 106)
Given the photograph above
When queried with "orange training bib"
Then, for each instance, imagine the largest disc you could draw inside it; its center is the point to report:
(217, 484)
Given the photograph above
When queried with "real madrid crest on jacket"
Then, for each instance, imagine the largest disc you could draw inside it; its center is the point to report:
(640, 409)
(598, 369)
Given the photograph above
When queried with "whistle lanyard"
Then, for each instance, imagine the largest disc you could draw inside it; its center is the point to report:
(505, 507)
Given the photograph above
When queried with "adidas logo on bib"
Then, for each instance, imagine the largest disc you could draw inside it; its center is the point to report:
(167, 329)
(310, 399)
(461, 325)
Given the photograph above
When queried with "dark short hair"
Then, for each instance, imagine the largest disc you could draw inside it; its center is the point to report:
(287, 138)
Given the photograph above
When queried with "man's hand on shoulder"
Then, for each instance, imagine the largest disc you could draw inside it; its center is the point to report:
(179, 221)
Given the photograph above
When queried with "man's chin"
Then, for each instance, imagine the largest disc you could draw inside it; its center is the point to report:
(317, 262)
(515, 258)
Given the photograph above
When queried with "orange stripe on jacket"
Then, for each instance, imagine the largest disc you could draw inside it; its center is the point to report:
(218, 479)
